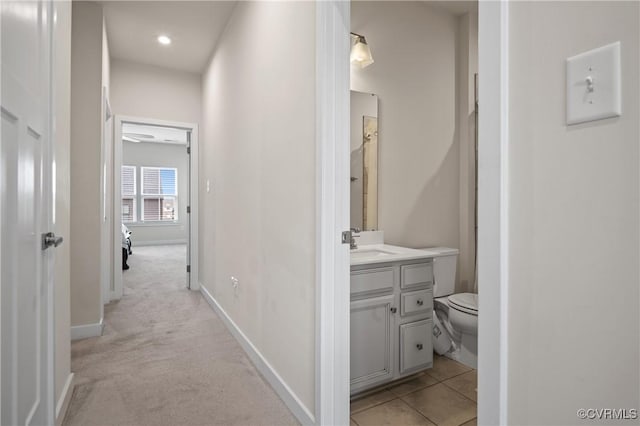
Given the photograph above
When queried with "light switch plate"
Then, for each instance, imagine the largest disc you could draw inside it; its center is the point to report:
(593, 85)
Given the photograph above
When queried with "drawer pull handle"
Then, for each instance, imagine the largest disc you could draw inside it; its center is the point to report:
(420, 302)
(419, 346)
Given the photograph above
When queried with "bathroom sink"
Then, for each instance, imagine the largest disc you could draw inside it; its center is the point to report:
(369, 253)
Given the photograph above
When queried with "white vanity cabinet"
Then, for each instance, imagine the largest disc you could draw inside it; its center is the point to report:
(391, 321)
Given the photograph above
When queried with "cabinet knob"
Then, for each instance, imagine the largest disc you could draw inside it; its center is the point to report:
(420, 302)
(419, 346)
(394, 310)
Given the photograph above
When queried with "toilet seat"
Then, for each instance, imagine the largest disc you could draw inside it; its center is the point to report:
(464, 302)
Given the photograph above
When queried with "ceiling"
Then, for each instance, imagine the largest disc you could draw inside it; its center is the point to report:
(147, 133)
(194, 27)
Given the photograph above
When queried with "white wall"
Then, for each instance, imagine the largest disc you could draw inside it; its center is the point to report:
(62, 225)
(258, 151)
(466, 68)
(152, 92)
(159, 155)
(414, 75)
(574, 312)
(85, 161)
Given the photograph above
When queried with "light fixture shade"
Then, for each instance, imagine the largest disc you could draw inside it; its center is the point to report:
(361, 53)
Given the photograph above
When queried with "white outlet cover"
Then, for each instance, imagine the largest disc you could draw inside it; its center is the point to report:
(601, 66)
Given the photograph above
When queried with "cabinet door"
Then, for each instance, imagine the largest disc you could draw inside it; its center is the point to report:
(416, 350)
(371, 342)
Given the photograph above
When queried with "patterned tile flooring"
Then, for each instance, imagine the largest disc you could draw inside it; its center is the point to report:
(443, 395)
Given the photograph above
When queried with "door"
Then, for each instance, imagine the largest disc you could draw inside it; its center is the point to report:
(26, 203)
(372, 337)
(188, 196)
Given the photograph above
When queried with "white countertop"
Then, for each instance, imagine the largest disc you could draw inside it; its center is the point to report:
(383, 253)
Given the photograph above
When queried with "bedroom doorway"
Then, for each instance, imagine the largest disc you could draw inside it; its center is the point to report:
(155, 200)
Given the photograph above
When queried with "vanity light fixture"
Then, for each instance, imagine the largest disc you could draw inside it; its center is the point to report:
(360, 52)
(164, 40)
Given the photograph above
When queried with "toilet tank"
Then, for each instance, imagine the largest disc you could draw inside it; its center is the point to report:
(444, 270)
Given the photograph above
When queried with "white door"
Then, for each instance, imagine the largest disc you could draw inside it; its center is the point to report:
(26, 206)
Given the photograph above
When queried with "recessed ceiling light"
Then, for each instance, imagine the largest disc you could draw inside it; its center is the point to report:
(163, 39)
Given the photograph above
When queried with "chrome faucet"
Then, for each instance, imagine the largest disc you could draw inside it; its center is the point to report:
(352, 244)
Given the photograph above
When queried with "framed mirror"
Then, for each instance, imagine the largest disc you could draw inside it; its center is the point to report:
(364, 160)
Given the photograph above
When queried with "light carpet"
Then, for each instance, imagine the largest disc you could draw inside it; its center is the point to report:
(166, 358)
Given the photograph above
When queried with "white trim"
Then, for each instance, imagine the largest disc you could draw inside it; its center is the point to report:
(118, 289)
(194, 282)
(157, 243)
(65, 397)
(262, 365)
(493, 249)
(87, 330)
(332, 215)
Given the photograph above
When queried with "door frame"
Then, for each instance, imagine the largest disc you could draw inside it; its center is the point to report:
(332, 189)
(332, 388)
(493, 210)
(118, 289)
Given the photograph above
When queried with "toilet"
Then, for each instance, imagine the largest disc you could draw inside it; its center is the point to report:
(455, 315)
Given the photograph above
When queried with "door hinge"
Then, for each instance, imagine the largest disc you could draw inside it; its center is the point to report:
(188, 268)
(188, 150)
(188, 209)
(346, 237)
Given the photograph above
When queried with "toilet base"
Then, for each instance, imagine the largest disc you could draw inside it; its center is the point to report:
(466, 351)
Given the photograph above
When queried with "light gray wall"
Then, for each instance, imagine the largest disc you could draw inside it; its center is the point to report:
(86, 134)
(258, 149)
(574, 236)
(466, 68)
(152, 92)
(414, 75)
(159, 155)
(62, 226)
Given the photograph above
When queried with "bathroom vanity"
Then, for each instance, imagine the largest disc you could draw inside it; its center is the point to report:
(391, 314)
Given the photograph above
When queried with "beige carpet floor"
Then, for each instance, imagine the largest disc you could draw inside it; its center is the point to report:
(166, 359)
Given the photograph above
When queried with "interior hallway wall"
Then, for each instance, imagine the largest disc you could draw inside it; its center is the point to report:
(258, 221)
(62, 225)
(152, 92)
(574, 233)
(148, 91)
(414, 75)
(85, 162)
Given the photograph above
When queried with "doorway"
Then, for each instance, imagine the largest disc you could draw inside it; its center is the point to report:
(155, 195)
(333, 209)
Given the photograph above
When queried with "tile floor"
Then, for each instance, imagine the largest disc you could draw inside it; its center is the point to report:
(442, 395)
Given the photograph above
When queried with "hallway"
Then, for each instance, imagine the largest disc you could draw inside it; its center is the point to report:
(165, 358)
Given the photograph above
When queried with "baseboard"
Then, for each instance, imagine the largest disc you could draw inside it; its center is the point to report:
(155, 243)
(87, 330)
(65, 398)
(273, 378)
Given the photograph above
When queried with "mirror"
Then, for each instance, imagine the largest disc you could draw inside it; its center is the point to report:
(364, 161)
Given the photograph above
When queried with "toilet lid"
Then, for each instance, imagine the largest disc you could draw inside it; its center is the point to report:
(465, 302)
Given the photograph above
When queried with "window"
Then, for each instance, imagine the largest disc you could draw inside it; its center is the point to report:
(159, 194)
(128, 180)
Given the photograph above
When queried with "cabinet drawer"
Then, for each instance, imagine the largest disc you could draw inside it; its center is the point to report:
(418, 274)
(416, 349)
(372, 280)
(416, 302)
